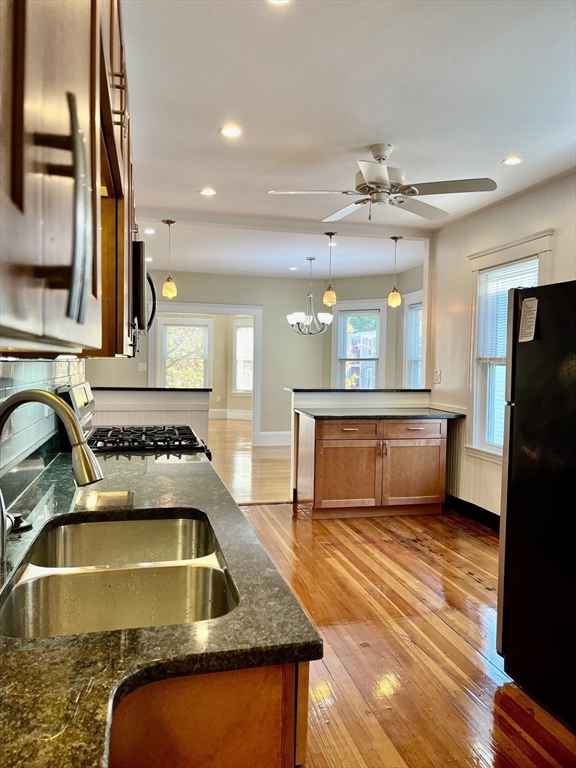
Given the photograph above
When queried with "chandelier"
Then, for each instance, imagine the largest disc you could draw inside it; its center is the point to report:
(308, 323)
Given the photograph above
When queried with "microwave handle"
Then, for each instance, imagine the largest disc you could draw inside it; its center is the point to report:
(154, 302)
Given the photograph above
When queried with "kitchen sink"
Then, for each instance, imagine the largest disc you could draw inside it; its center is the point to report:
(47, 604)
(123, 542)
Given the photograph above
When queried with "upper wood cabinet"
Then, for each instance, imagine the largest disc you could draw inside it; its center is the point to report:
(49, 251)
(66, 190)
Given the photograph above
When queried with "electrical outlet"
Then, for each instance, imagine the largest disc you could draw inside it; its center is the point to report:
(437, 377)
(142, 367)
(218, 398)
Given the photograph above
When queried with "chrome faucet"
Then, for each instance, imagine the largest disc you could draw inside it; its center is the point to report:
(84, 464)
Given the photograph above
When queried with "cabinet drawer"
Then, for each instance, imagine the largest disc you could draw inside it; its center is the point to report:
(395, 429)
(347, 430)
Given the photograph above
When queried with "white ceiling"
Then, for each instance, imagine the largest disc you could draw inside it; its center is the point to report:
(455, 86)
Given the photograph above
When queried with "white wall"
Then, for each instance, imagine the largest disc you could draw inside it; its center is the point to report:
(552, 206)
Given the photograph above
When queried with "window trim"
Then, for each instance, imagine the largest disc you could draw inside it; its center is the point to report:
(164, 320)
(540, 245)
(409, 300)
(240, 323)
(361, 305)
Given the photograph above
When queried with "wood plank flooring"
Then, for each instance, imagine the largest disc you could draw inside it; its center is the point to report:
(410, 677)
(251, 474)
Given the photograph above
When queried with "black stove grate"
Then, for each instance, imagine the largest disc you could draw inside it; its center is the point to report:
(149, 438)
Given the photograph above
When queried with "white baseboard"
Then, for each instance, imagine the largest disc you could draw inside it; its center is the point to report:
(271, 438)
(229, 413)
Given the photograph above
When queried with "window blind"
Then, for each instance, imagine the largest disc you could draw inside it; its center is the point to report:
(493, 287)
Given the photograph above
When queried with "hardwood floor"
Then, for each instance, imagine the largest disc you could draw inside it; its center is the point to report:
(252, 475)
(410, 677)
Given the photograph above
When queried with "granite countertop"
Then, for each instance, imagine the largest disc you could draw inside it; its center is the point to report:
(331, 389)
(58, 692)
(375, 412)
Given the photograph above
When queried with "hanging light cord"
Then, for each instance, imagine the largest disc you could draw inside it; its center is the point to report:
(330, 263)
(170, 251)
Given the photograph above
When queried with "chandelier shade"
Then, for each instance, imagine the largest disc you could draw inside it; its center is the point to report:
(329, 298)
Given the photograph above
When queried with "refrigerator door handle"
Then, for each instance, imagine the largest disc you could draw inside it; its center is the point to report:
(508, 415)
(510, 346)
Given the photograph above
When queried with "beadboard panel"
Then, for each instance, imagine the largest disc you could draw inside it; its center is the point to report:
(471, 476)
(198, 420)
(32, 424)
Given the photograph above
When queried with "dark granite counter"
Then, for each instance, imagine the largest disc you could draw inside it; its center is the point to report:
(151, 389)
(331, 389)
(375, 412)
(58, 693)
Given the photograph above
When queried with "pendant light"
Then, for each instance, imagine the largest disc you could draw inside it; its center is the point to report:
(308, 323)
(329, 298)
(169, 289)
(394, 298)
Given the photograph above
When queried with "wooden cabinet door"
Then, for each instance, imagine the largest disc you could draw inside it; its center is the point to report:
(414, 471)
(20, 183)
(70, 173)
(348, 473)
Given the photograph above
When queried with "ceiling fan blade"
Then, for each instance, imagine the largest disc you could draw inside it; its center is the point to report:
(412, 205)
(374, 173)
(346, 211)
(312, 192)
(449, 187)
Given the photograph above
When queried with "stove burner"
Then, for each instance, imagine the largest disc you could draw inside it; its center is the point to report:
(150, 438)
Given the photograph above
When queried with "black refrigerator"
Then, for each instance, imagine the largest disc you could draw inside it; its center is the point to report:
(537, 578)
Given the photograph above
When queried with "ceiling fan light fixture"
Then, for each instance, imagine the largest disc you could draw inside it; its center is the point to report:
(169, 289)
(394, 298)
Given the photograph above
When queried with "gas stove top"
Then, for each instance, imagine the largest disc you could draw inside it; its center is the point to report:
(160, 439)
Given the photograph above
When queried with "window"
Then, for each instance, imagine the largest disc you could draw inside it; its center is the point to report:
(492, 320)
(243, 356)
(358, 339)
(185, 359)
(413, 340)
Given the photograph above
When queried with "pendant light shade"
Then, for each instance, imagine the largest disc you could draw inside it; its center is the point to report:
(309, 323)
(329, 298)
(394, 298)
(169, 289)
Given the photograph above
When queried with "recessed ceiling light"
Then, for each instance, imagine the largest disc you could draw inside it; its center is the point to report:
(149, 231)
(231, 131)
(148, 258)
(278, 2)
(293, 269)
(208, 192)
(512, 160)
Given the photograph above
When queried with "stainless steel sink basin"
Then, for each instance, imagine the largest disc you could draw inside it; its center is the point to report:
(123, 542)
(76, 602)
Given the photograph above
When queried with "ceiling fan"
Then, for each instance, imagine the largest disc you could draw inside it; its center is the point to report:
(380, 184)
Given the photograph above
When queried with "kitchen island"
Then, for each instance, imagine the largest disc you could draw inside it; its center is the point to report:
(371, 461)
(60, 693)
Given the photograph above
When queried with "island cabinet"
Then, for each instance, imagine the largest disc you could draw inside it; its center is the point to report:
(246, 717)
(356, 468)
